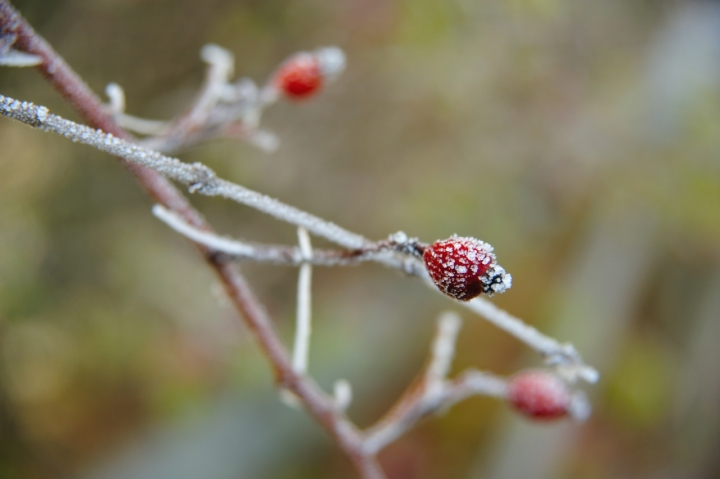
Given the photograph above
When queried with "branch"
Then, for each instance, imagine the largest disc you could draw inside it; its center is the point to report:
(198, 177)
(431, 392)
(264, 253)
(201, 179)
(221, 109)
(303, 324)
(564, 357)
(71, 86)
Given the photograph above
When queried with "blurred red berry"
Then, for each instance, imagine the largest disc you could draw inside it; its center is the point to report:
(539, 395)
(465, 267)
(300, 76)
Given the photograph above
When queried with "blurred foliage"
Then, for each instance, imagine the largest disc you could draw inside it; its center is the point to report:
(521, 122)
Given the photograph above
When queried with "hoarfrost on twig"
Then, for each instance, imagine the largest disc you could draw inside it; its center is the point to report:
(201, 179)
(303, 323)
(221, 109)
(11, 57)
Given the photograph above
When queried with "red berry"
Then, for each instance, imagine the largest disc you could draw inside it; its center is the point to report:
(539, 395)
(300, 76)
(465, 267)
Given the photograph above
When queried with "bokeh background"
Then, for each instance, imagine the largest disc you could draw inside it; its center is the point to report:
(581, 138)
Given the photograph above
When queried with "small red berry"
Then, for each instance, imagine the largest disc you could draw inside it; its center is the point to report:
(300, 76)
(304, 74)
(465, 267)
(539, 395)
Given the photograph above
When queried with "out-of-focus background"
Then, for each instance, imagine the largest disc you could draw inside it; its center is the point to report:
(581, 138)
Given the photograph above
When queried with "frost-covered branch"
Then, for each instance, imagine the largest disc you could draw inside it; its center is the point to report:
(10, 57)
(265, 253)
(303, 325)
(432, 392)
(201, 179)
(221, 109)
(564, 357)
(198, 177)
(218, 110)
(321, 407)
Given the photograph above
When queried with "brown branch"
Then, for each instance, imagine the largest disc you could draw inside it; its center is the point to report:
(89, 106)
(431, 392)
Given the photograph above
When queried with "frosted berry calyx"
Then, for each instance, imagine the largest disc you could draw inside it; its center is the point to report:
(464, 268)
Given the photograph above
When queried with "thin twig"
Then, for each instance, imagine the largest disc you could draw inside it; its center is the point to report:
(431, 392)
(563, 356)
(198, 177)
(267, 253)
(303, 325)
(203, 180)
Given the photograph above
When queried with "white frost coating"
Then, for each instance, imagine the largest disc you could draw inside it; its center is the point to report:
(303, 324)
(199, 178)
(15, 58)
(218, 57)
(342, 393)
(116, 94)
(265, 140)
(580, 407)
(443, 347)
(563, 356)
(42, 114)
(332, 62)
(212, 241)
(400, 237)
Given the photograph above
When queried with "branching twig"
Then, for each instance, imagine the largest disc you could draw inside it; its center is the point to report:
(432, 392)
(275, 254)
(563, 356)
(10, 57)
(70, 85)
(221, 108)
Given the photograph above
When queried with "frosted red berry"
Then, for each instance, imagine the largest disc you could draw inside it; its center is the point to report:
(539, 395)
(465, 267)
(300, 76)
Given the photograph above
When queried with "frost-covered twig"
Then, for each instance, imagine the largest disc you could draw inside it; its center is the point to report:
(303, 325)
(564, 357)
(198, 177)
(222, 109)
(217, 243)
(275, 254)
(432, 392)
(322, 408)
(201, 179)
(10, 57)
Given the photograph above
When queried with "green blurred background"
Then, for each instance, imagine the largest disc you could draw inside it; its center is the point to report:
(580, 138)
